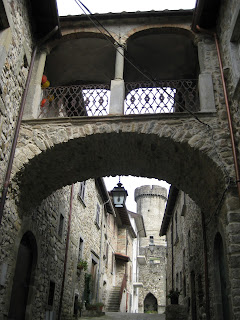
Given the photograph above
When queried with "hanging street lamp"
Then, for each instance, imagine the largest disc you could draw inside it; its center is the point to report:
(119, 195)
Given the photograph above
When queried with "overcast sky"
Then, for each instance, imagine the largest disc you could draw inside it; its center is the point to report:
(69, 7)
(66, 7)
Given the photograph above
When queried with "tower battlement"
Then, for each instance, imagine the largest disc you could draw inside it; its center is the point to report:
(148, 191)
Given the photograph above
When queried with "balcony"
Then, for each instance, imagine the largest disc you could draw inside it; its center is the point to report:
(141, 260)
(168, 96)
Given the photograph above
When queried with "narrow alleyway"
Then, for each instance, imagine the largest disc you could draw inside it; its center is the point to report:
(135, 316)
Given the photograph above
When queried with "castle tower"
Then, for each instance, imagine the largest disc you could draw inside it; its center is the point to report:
(151, 201)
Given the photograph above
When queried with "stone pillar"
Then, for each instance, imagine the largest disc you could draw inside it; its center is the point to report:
(117, 85)
(206, 94)
(205, 84)
(32, 106)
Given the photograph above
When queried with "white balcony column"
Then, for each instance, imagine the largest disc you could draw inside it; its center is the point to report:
(117, 85)
(34, 96)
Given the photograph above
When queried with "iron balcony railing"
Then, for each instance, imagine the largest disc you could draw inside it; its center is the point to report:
(161, 97)
(75, 101)
(140, 97)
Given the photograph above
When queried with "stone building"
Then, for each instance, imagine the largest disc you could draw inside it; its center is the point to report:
(151, 202)
(183, 226)
(102, 116)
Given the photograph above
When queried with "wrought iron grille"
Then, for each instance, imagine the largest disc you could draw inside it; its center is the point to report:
(161, 97)
(77, 100)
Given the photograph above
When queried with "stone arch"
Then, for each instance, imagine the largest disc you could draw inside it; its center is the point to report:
(23, 281)
(222, 305)
(150, 303)
(63, 153)
(165, 53)
(147, 29)
(81, 58)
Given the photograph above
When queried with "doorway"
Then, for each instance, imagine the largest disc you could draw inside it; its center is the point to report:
(26, 261)
(150, 304)
(221, 292)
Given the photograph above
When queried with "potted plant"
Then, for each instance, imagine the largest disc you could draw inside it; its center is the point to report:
(82, 265)
(174, 295)
(99, 306)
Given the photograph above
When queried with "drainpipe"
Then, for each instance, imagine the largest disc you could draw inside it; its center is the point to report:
(19, 120)
(66, 252)
(206, 268)
(172, 256)
(227, 107)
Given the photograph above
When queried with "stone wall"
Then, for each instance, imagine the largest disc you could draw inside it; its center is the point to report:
(185, 244)
(15, 55)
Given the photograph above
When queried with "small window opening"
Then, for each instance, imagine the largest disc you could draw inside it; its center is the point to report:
(25, 61)
(151, 239)
(76, 305)
(82, 189)
(98, 214)
(60, 227)
(51, 293)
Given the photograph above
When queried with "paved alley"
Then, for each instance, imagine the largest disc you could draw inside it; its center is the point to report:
(133, 316)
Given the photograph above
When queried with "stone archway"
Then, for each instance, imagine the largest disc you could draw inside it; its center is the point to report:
(150, 303)
(52, 154)
(23, 277)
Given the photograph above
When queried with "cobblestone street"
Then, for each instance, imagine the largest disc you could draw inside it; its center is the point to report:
(135, 316)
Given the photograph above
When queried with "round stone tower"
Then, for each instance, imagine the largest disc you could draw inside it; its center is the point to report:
(151, 202)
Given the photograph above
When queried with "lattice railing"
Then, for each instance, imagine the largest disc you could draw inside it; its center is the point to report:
(141, 97)
(161, 97)
(76, 100)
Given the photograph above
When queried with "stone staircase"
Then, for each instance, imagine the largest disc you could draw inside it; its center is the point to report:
(113, 304)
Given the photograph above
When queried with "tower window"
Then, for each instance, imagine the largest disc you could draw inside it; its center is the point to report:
(151, 239)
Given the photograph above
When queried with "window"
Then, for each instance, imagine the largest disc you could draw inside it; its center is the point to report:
(180, 280)
(76, 305)
(3, 17)
(81, 193)
(80, 249)
(5, 35)
(189, 244)
(235, 47)
(176, 225)
(60, 226)
(97, 214)
(51, 293)
(106, 253)
(113, 256)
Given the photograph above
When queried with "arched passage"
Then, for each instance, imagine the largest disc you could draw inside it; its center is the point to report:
(150, 303)
(23, 277)
(59, 154)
